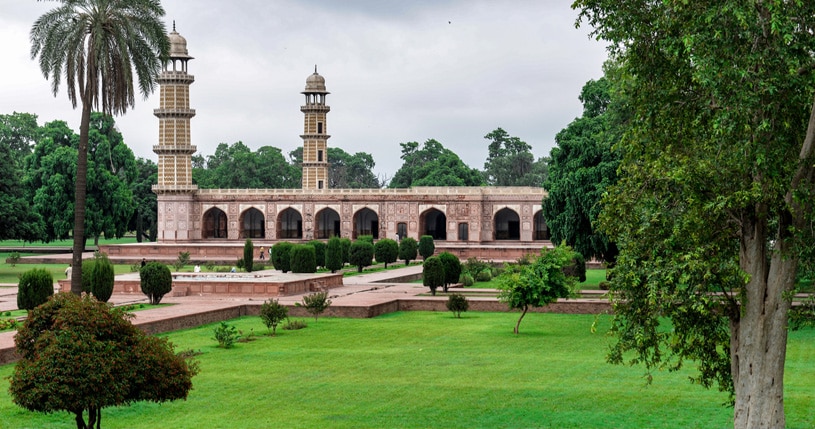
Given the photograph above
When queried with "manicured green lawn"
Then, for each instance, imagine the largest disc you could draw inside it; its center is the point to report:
(424, 369)
(65, 243)
(9, 274)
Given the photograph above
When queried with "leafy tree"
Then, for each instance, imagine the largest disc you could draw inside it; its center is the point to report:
(248, 255)
(582, 167)
(537, 284)
(510, 162)
(433, 165)
(18, 132)
(457, 303)
(433, 273)
(303, 259)
(452, 269)
(281, 256)
(81, 354)
(18, 220)
(144, 219)
(346, 249)
(236, 166)
(96, 45)
(315, 303)
(386, 251)
(361, 254)
(333, 254)
(319, 252)
(272, 313)
(156, 281)
(345, 171)
(713, 207)
(426, 246)
(408, 250)
(35, 287)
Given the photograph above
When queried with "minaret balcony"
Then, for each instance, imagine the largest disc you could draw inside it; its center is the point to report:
(312, 108)
(174, 149)
(314, 136)
(173, 112)
(170, 76)
(174, 189)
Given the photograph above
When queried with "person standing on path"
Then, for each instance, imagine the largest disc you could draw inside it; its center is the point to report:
(262, 249)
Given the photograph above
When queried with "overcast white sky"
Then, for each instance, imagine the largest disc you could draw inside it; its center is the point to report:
(397, 70)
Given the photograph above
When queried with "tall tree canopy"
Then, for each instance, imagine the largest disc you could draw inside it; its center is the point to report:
(19, 132)
(51, 172)
(143, 221)
(236, 166)
(345, 171)
(96, 45)
(433, 165)
(713, 207)
(18, 220)
(581, 167)
(510, 162)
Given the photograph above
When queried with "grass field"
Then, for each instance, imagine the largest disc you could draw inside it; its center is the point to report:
(423, 369)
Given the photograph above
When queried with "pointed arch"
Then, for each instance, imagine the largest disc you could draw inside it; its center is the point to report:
(366, 222)
(252, 224)
(541, 229)
(433, 222)
(215, 222)
(328, 223)
(289, 224)
(507, 225)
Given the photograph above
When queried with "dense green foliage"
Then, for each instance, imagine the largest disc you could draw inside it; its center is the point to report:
(576, 268)
(433, 165)
(18, 219)
(433, 273)
(272, 313)
(101, 277)
(346, 249)
(281, 255)
(144, 221)
(319, 251)
(345, 171)
(18, 133)
(303, 259)
(582, 167)
(408, 249)
(452, 269)
(537, 284)
(426, 246)
(333, 254)
(80, 354)
(248, 255)
(238, 167)
(715, 195)
(35, 287)
(156, 281)
(386, 251)
(361, 254)
(226, 335)
(510, 162)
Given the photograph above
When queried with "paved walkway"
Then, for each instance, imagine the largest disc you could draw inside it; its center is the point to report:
(359, 290)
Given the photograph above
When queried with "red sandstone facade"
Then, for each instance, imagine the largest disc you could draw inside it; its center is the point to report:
(503, 222)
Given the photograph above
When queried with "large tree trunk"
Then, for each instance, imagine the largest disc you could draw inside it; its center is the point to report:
(758, 342)
(79, 202)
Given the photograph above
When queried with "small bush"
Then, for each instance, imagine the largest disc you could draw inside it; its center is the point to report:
(386, 251)
(102, 277)
(452, 269)
(408, 249)
(272, 313)
(281, 256)
(134, 268)
(457, 303)
(362, 254)
(474, 266)
(87, 274)
(315, 303)
(303, 259)
(604, 285)
(35, 287)
(368, 238)
(484, 275)
(433, 273)
(209, 265)
(466, 279)
(248, 255)
(577, 268)
(226, 335)
(319, 252)
(13, 258)
(240, 263)
(426, 246)
(182, 261)
(333, 254)
(346, 249)
(7, 324)
(156, 281)
(293, 325)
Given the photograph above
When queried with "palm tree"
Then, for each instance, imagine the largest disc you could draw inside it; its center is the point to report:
(96, 45)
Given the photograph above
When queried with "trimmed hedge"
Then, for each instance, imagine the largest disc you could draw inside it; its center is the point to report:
(34, 289)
